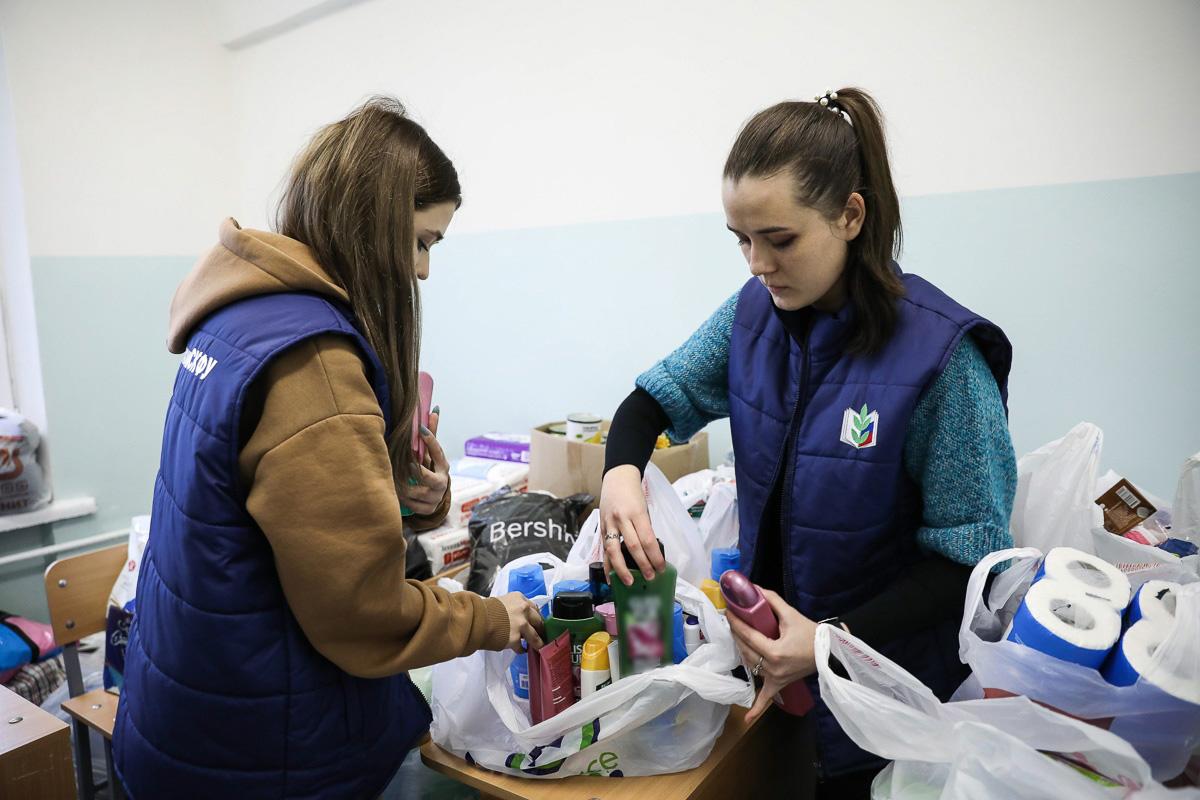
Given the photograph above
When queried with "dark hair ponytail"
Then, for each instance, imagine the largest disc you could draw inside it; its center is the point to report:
(830, 159)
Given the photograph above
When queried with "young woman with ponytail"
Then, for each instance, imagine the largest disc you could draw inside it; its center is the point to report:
(869, 419)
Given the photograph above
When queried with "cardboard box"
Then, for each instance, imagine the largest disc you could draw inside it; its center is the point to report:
(564, 468)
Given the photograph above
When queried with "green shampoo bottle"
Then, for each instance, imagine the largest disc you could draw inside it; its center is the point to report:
(573, 611)
(645, 617)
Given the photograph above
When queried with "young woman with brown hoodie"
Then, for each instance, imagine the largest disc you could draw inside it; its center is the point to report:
(274, 623)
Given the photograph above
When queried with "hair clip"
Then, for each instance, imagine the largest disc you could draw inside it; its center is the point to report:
(829, 101)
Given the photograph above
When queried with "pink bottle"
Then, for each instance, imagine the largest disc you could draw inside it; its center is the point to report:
(421, 417)
(746, 600)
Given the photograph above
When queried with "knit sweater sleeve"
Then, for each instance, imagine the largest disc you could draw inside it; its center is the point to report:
(692, 383)
(959, 451)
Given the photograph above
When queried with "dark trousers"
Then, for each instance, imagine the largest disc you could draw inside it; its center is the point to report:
(793, 753)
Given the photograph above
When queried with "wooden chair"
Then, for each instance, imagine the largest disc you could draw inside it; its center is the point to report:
(77, 590)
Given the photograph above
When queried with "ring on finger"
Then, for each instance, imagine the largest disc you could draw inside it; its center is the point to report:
(758, 667)
(611, 537)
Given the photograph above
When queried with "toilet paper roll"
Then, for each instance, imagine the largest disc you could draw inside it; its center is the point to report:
(1154, 600)
(1096, 576)
(1133, 659)
(1063, 621)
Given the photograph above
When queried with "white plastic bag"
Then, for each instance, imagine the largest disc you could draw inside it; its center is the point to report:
(121, 604)
(1141, 562)
(973, 750)
(1055, 500)
(673, 526)
(1186, 511)
(719, 522)
(694, 487)
(1163, 729)
(23, 486)
(661, 721)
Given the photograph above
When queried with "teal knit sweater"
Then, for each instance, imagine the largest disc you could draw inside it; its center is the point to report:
(958, 448)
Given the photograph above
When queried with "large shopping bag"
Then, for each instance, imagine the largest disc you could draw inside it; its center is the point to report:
(661, 721)
(970, 750)
(1164, 729)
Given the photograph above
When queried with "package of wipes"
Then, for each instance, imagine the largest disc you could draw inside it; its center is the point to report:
(23, 486)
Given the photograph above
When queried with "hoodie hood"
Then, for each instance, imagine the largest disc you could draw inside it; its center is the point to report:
(244, 263)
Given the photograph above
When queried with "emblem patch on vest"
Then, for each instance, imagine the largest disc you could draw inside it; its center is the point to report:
(860, 428)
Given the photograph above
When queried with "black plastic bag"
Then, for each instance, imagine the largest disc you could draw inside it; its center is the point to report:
(416, 560)
(509, 525)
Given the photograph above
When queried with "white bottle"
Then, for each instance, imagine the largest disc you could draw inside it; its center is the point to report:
(594, 673)
(691, 633)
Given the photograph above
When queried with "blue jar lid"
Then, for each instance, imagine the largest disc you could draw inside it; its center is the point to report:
(572, 586)
(724, 558)
(528, 580)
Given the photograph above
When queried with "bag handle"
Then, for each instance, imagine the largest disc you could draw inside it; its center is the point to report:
(978, 580)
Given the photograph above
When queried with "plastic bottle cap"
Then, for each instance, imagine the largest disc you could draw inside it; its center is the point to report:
(608, 613)
(572, 586)
(596, 572)
(595, 652)
(724, 558)
(712, 590)
(573, 605)
(628, 556)
(690, 620)
(528, 580)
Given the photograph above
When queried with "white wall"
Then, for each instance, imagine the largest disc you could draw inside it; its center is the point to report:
(138, 131)
(22, 369)
(123, 124)
(569, 112)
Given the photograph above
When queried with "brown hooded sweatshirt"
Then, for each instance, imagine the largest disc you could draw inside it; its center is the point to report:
(320, 481)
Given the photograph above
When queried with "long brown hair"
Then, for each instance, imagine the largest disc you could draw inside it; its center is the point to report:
(829, 160)
(350, 197)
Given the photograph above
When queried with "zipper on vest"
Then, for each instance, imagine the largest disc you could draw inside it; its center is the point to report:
(789, 474)
(787, 465)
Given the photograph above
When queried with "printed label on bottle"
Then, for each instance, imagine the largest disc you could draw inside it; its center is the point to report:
(646, 647)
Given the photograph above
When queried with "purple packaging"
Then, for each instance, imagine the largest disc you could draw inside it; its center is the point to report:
(500, 447)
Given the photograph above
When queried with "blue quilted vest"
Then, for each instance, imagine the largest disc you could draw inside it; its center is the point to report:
(848, 512)
(224, 696)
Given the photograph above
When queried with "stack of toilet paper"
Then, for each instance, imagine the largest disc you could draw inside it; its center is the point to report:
(1151, 624)
(1073, 609)
(1079, 610)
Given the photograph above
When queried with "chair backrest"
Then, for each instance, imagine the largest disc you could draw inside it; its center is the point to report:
(77, 590)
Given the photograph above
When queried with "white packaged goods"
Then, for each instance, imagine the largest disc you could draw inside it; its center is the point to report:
(498, 473)
(446, 547)
(465, 494)
(23, 487)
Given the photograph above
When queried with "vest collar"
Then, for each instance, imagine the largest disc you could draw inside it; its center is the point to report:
(827, 331)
